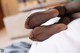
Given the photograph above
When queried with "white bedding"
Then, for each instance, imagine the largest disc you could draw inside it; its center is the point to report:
(67, 41)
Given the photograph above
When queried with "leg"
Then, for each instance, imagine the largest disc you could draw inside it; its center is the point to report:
(44, 32)
(66, 20)
(75, 15)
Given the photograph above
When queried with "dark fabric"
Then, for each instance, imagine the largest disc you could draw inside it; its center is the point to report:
(62, 10)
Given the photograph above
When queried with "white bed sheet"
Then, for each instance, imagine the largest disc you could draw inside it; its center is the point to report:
(67, 41)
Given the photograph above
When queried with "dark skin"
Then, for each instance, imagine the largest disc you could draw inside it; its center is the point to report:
(41, 17)
(41, 33)
(38, 18)
(76, 15)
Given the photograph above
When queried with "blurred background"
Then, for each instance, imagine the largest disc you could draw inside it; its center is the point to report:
(13, 14)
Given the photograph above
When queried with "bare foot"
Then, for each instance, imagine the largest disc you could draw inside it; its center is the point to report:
(42, 33)
(38, 18)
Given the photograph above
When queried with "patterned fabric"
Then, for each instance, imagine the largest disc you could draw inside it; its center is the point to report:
(20, 47)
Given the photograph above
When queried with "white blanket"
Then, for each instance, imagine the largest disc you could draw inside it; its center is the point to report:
(67, 41)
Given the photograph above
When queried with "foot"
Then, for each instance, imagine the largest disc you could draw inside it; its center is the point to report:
(42, 33)
(38, 18)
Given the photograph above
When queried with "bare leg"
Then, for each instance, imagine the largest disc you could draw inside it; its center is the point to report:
(44, 32)
(38, 18)
(66, 20)
(75, 16)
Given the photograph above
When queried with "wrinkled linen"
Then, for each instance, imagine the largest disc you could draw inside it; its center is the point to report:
(67, 41)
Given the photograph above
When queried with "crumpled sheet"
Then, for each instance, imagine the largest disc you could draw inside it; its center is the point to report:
(20, 47)
(67, 41)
